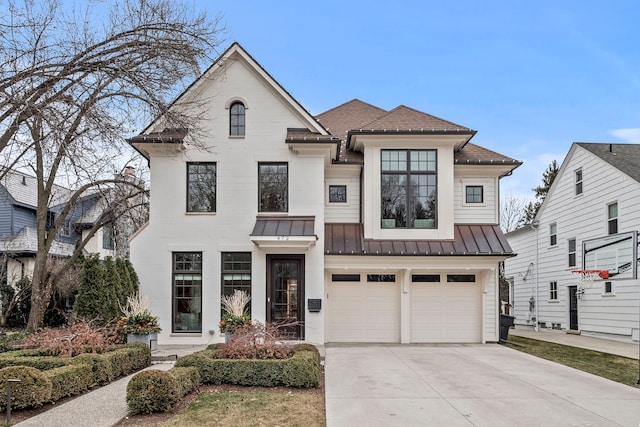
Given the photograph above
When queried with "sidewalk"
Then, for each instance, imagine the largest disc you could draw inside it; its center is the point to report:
(104, 406)
(619, 348)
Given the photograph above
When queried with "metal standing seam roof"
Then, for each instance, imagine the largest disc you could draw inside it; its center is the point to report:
(469, 240)
(284, 226)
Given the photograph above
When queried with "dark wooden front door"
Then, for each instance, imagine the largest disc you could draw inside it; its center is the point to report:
(285, 294)
(573, 308)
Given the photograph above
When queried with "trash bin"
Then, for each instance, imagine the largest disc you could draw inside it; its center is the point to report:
(506, 322)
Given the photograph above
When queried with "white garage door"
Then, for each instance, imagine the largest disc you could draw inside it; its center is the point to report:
(364, 312)
(446, 312)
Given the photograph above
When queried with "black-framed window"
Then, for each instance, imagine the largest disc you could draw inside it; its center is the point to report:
(553, 291)
(337, 194)
(474, 194)
(389, 278)
(612, 218)
(572, 252)
(65, 228)
(187, 292)
(345, 277)
(201, 187)
(409, 188)
(553, 234)
(51, 220)
(578, 177)
(608, 287)
(236, 273)
(425, 278)
(469, 278)
(237, 119)
(273, 187)
(107, 236)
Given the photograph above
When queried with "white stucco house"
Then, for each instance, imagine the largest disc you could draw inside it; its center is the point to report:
(356, 225)
(588, 221)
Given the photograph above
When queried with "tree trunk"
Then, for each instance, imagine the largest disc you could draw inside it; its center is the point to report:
(40, 292)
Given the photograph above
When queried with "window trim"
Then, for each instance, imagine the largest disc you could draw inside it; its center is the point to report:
(239, 128)
(578, 182)
(174, 273)
(338, 202)
(611, 288)
(408, 173)
(65, 228)
(553, 234)
(224, 271)
(215, 188)
(286, 198)
(574, 252)
(613, 220)
(553, 290)
(466, 195)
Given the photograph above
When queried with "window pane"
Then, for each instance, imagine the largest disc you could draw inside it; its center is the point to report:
(201, 187)
(338, 193)
(613, 210)
(236, 273)
(236, 119)
(394, 199)
(187, 292)
(273, 187)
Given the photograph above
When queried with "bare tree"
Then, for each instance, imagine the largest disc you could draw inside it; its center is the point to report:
(73, 83)
(512, 211)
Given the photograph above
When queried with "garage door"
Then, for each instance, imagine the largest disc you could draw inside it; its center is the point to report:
(446, 312)
(364, 311)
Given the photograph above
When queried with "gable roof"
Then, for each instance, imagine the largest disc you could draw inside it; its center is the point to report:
(23, 189)
(403, 118)
(624, 157)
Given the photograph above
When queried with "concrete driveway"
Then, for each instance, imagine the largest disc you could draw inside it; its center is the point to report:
(467, 385)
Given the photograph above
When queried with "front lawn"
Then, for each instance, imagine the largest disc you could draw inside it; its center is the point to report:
(616, 368)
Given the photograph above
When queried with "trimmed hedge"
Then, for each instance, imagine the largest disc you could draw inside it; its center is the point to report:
(301, 370)
(188, 379)
(33, 390)
(100, 367)
(128, 359)
(69, 380)
(152, 391)
(42, 363)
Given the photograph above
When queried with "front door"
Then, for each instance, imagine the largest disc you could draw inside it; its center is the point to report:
(573, 308)
(285, 294)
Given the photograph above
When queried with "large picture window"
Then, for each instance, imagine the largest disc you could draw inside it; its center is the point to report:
(201, 187)
(273, 187)
(409, 188)
(236, 273)
(187, 292)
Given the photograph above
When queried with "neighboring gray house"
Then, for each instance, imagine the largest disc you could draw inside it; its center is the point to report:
(18, 235)
(589, 220)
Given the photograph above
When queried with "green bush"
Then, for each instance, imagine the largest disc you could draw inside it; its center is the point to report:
(42, 363)
(33, 390)
(152, 391)
(129, 358)
(307, 347)
(69, 380)
(100, 367)
(188, 379)
(300, 370)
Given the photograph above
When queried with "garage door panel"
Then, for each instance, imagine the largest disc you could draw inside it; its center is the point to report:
(445, 312)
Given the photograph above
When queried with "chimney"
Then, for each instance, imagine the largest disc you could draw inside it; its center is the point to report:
(129, 170)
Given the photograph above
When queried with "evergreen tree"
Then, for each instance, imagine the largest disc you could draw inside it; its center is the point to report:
(125, 277)
(549, 175)
(114, 281)
(134, 277)
(96, 299)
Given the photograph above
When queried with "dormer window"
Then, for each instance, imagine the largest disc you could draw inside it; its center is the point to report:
(409, 188)
(236, 119)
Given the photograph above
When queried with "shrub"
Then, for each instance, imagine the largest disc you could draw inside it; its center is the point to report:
(302, 370)
(69, 380)
(152, 391)
(205, 365)
(100, 367)
(128, 359)
(307, 347)
(33, 390)
(8, 341)
(188, 379)
(41, 363)
(255, 341)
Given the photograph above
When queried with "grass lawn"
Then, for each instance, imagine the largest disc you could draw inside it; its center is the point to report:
(235, 406)
(617, 368)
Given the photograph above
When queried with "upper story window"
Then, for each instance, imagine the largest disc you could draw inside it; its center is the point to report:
(553, 234)
(612, 218)
(578, 181)
(337, 194)
(273, 187)
(409, 188)
(65, 228)
(572, 252)
(201, 187)
(107, 236)
(474, 194)
(236, 119)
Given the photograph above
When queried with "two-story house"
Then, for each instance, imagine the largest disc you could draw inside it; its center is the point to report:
(18, 235)
(358, 225)
(589, 220)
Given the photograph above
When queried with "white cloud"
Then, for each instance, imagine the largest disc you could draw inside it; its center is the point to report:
(630, 135)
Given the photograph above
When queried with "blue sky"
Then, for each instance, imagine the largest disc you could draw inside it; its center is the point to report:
(530, 77)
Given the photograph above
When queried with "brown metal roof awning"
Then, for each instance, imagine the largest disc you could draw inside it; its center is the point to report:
(284, 232)
(469, 240)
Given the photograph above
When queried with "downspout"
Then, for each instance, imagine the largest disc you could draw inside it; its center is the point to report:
(534, 225)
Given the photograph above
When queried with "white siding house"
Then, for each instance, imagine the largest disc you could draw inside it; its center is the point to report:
(332, 223)
(589, 220)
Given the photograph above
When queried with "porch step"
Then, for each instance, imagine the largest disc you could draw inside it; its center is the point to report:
(164, 358)
(574, 331)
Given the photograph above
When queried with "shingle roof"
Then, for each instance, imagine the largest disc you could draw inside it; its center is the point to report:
(305, 135)
(469, 240)
(403, 118)
(625, 157)
(166, 135)
(26, 241)
(23, 188)
(472, 154)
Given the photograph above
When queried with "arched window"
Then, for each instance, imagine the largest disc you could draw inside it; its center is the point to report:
(236, 119)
